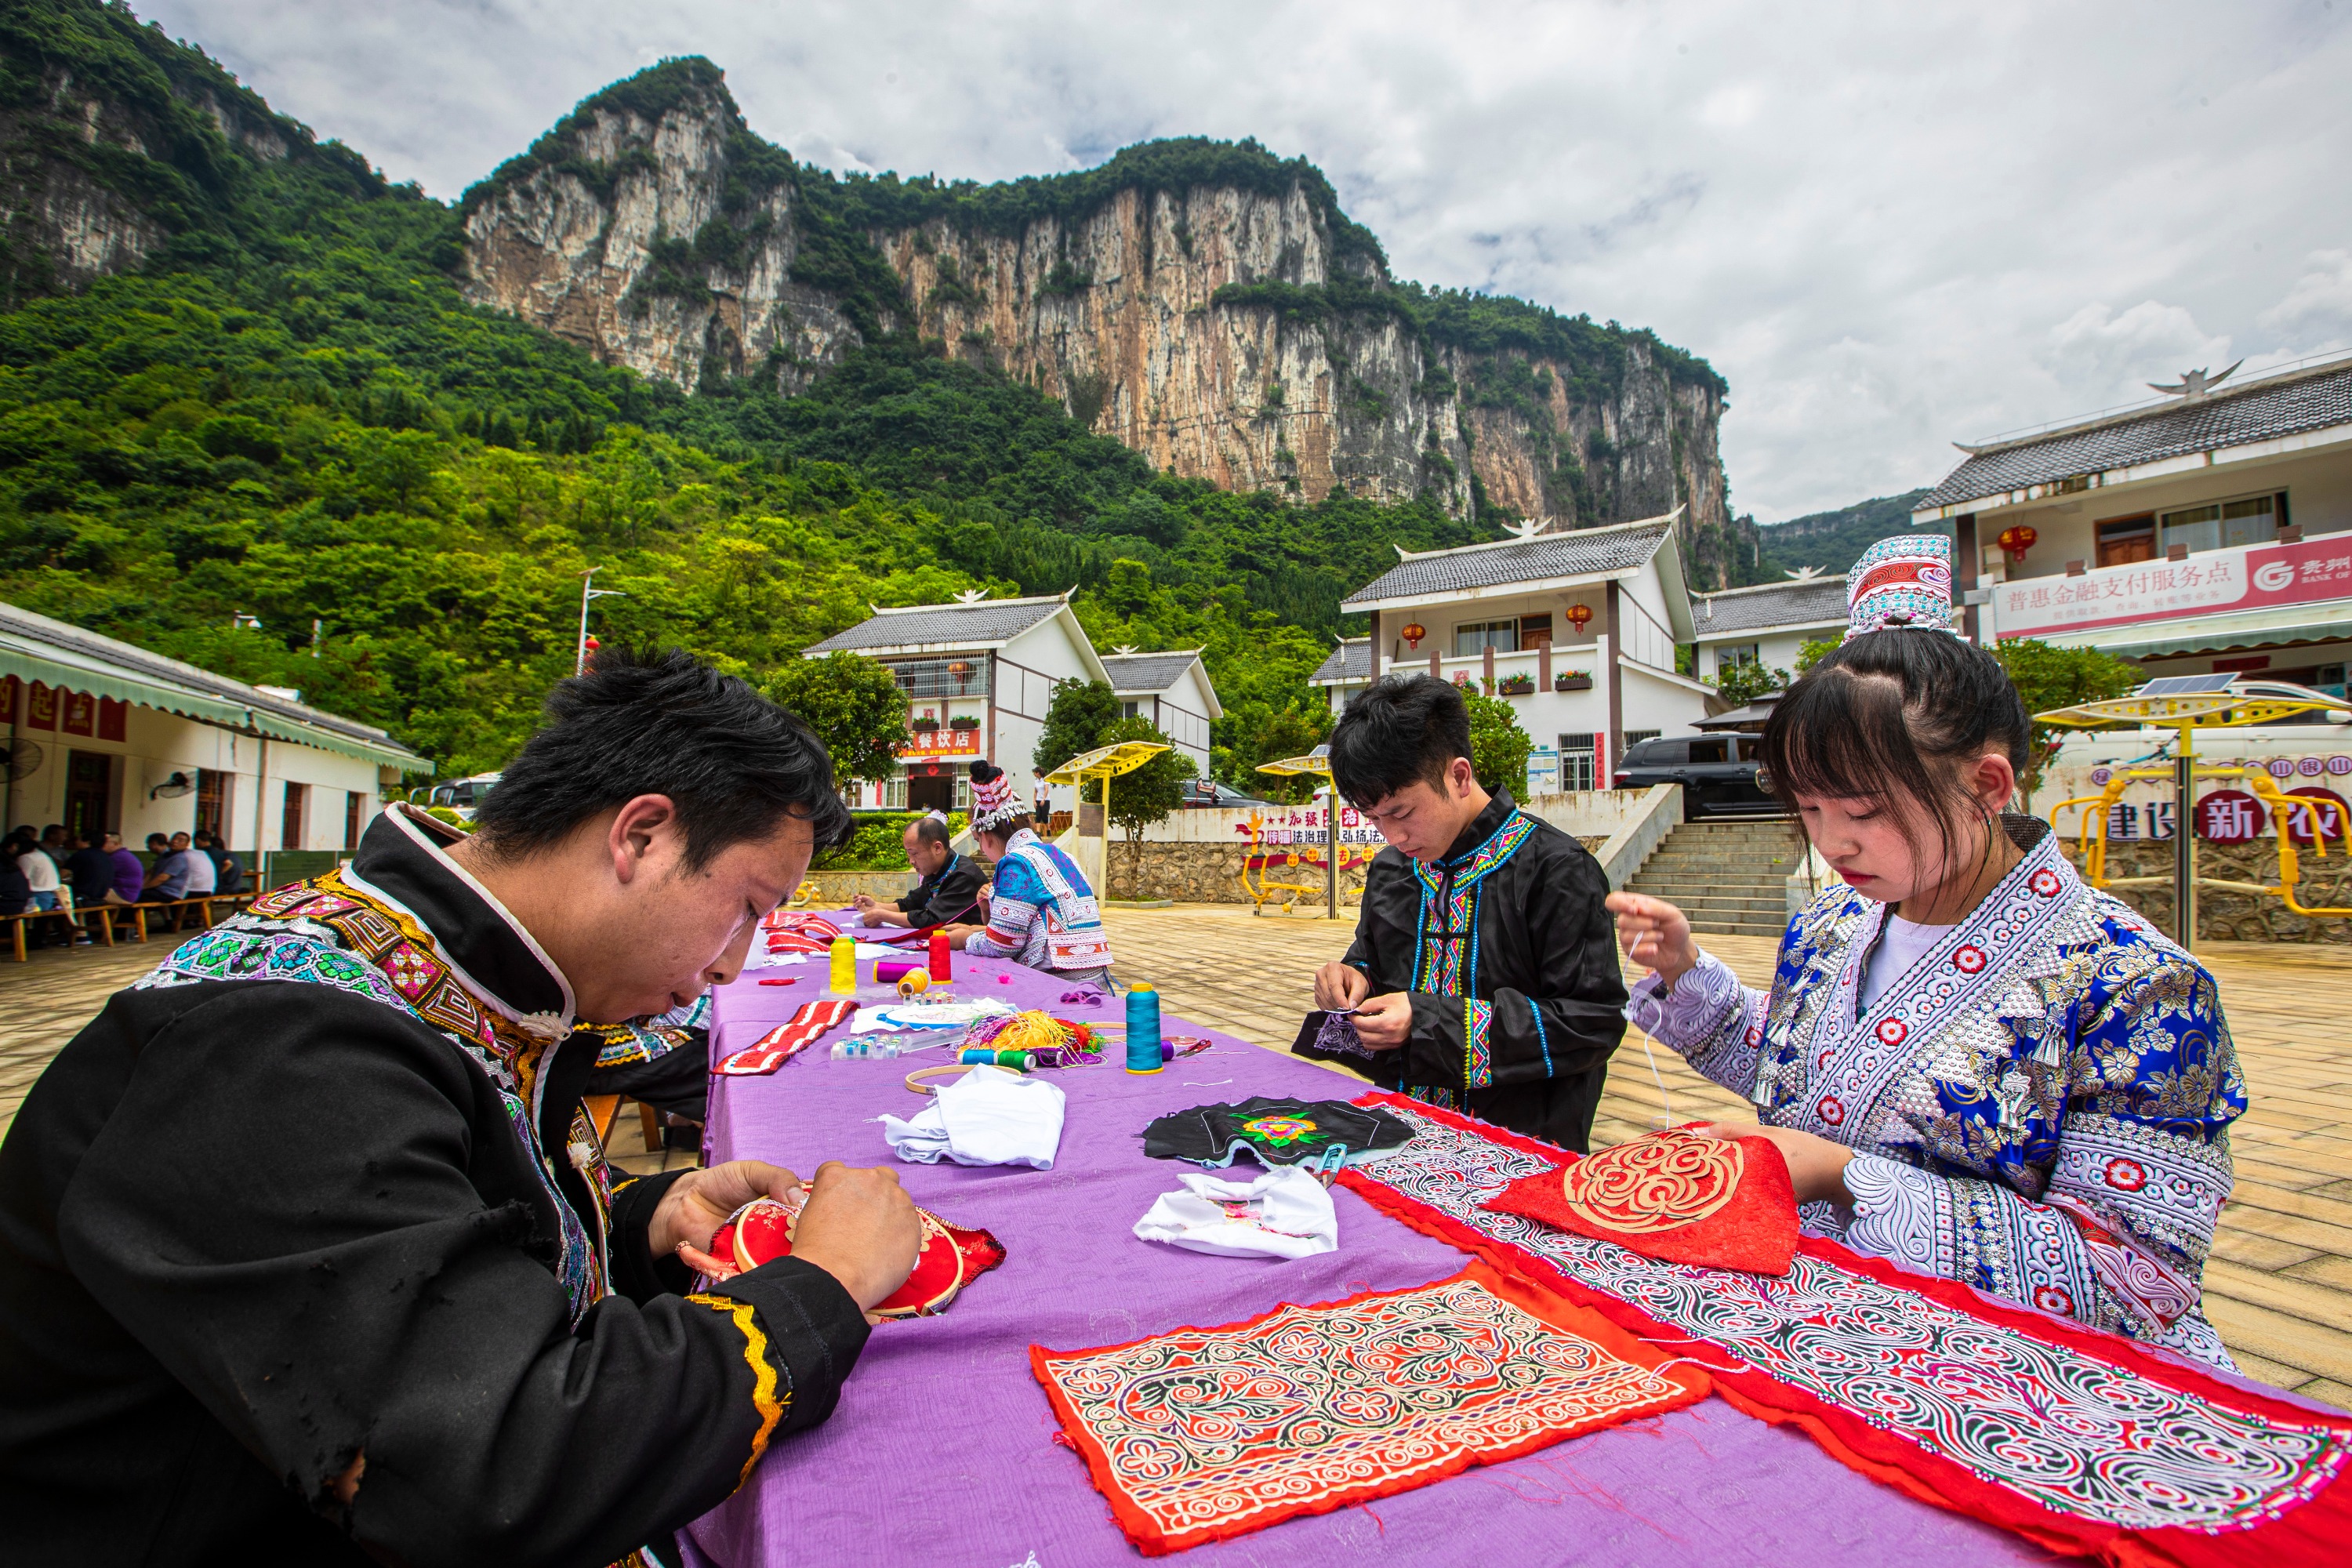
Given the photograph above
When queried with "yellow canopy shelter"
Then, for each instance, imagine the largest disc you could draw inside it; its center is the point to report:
(1317, 763)
(2183, 704)
(1106, 762)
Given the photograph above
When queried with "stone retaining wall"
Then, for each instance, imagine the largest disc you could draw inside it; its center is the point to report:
(2241, 917)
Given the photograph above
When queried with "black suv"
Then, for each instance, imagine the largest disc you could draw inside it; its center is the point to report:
(1718, 773)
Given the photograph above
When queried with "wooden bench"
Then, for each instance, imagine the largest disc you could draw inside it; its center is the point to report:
(98, 918)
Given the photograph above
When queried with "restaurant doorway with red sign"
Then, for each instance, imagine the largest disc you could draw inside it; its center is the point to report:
(929, 788)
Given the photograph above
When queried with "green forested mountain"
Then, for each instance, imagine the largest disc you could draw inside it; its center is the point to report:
(1830, 539)
(286, 414)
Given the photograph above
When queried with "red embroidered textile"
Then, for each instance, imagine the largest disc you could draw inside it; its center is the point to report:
(786, 1040)
(2081, 1441)
(1724, 1203)
(1203, 1434)
(951, 1257)
(795, 930)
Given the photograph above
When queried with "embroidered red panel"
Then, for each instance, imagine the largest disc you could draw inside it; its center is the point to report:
(1725, 1203)
(2082, 1441)
(786, 1040)
(1203, 1434)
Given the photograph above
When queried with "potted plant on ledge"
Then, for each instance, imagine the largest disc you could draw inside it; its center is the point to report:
(1517, 686)
(964, 721)
(1573, 680)
(924, 725)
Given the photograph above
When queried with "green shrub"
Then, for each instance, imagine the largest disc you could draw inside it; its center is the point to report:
(878, 843)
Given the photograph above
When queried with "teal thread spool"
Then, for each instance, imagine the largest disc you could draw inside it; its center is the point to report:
(1143, 1054)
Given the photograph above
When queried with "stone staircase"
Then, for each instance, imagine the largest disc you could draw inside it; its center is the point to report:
(1730, 878)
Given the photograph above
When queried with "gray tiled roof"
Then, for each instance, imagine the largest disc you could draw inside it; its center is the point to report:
(966, 626)
(1351, 660)
(1817, 601)
(139, 661)
(1148, 671)
(1582, 553)
(2231, 417)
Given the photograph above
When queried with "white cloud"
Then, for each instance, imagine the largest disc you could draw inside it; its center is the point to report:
(1890, 229)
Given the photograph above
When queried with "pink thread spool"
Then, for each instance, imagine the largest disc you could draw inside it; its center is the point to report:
(888, 970)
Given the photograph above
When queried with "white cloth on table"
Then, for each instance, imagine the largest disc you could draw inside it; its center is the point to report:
(866, 952)
(896, 1016)
(991, 1116)
(1285, 1212)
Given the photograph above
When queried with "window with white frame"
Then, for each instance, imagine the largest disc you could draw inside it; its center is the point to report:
(1577, 752)
(1731, 656)
(894, 794)
(2251, 520)
(1474, 637)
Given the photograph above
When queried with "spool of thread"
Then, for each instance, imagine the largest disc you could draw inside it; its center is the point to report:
(978, 1055)
(1143, 1031)
(843, 979)
(889, 971)
(940, 969)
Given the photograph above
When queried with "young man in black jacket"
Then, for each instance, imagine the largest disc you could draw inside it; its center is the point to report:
(307, 1251)
(1484, 975)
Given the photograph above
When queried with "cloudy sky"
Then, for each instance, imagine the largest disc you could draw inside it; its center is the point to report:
(1890, 228)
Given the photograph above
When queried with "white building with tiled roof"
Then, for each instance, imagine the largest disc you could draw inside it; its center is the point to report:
(2209, 532)
(106, 737)
(977, 676)
(1577, 630)
(1768, 624)
(1173, 691)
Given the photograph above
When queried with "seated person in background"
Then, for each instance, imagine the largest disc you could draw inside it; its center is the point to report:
(662, 1061)
(1483, 973)
(1977, 1065)
(166, 880)
(1041, 913)
(15, 898)
(90, 871)
(40, 868)
(228, 873)
(949, 888)
(202, 878)
(413, 1318)
(130, 877)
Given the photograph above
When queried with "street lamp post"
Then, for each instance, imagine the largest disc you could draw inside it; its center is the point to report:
(588, 590)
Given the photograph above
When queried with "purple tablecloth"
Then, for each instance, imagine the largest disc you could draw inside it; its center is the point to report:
(941, 1449)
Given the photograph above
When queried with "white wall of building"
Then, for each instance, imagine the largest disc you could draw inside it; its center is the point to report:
(1777, 649)
(1181, 713)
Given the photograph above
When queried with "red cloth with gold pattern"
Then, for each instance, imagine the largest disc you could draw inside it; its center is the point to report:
(1721, 1202)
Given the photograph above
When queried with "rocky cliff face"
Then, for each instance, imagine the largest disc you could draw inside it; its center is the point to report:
(1241, 332)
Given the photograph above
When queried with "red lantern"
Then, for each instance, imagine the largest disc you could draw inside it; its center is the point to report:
(1578, 616)
(590, 644)
(1414, 632)
(960, 668)
(2015, 541)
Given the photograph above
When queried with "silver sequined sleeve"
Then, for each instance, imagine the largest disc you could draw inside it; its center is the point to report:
(1715, 1023)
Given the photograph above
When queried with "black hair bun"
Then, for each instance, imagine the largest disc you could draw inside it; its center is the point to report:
(983, 770)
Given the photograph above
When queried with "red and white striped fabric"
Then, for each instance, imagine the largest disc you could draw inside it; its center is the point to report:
(786, 1041)
(791, 931)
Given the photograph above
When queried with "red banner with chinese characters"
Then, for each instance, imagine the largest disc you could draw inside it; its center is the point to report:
(41, 708)
(943, 743)
(2259, 576)
(77, 713)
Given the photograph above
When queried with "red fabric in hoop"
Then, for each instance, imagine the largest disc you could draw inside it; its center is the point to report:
(2291, 1532)
(786, 1040)
(1200, 1434)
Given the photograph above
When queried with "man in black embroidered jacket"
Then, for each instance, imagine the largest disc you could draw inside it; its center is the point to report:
(949, 888)
(1483, 973)
(306, 1252)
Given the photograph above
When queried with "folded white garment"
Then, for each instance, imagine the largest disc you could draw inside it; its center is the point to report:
(1284, 1214)
(990, 1116)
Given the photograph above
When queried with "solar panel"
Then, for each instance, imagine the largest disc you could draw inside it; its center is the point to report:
(2185, 686)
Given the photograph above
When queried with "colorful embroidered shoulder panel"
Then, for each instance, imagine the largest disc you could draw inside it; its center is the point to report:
(327, 932)
(2050, 1423)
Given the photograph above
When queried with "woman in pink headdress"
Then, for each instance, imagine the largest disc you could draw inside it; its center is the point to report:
(1978, 1066)
(1041, 913)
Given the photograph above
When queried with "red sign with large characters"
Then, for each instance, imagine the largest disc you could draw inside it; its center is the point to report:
(2326, 816)
(2230, 817)
(943, 743)
(2259, 577)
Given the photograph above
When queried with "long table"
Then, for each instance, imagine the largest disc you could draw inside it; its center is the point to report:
(941, 1450)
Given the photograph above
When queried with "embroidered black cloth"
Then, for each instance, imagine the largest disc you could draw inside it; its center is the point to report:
(948, 895)
(1511, 960)
(252, 1228)
(1277, 1132)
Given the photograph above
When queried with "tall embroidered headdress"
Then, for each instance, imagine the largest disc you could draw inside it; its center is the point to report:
(1906, 581)
(993, 803)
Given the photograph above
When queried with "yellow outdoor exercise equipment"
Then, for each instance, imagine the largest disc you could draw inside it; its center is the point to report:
(2186, 704)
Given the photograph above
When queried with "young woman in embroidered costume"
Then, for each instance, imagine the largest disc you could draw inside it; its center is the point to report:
(1976, 1066)
(1481, 977)
(307, 1250)
(1041, 913)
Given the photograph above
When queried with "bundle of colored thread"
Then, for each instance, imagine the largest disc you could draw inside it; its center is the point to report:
(1040, 1040)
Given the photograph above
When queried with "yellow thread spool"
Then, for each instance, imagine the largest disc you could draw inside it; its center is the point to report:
(845, 967)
